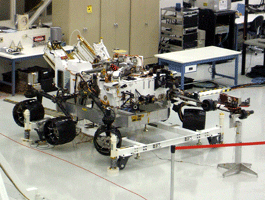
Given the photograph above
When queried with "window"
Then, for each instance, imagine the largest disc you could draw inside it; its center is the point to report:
(7, 12)
(9, 8)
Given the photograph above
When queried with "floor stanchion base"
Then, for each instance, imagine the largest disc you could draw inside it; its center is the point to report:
(236, 168)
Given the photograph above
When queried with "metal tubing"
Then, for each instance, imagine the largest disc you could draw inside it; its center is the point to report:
(93, 70)
(39, 11)
(113, 152)
(190, 136)
(13, 11)
(225, 76)
(238, 149)
(263, 57)
(213, 70)
(27, 125)
(244, 50)
(221, 124)
(220, 145)
(236, 70)
(173, 149)
(237, 166)
(13, 77)
(182, 81)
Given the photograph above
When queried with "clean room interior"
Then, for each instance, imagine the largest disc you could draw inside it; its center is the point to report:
(76, 170)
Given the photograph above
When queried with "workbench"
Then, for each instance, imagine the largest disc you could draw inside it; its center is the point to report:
(180, 61)
(27, 53)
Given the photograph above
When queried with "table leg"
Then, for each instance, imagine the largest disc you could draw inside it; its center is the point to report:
(263, 57)
(244, 51)
(159, 61)
(236, 35)
(236, 70)
(13, 77)
(182, 82)
(213, 70)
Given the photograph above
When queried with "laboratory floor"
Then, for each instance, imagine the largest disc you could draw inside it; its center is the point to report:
(76, 171)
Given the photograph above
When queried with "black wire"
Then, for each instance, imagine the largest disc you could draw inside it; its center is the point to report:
(214, 85)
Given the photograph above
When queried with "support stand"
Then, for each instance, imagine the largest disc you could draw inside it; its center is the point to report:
(173, 149)
(113, 170)
(237, 167)
(27, 127)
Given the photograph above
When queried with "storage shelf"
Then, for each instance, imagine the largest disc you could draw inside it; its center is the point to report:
(179, 29)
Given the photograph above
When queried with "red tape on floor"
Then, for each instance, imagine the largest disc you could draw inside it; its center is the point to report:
(220, 145)
(75, 166)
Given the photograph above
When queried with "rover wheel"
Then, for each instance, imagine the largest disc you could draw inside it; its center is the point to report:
(35, 108)
(59, 130)
(102, 139)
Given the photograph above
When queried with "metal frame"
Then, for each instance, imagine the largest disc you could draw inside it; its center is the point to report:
(138, 147)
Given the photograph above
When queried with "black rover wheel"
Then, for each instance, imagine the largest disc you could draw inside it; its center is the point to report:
(59, 130)
(35, 108)
(102, 139)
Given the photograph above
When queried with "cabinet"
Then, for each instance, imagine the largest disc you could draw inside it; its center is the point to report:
(131, 25)
(219, 27)
(72, 15)
(179, 29)
(115, 24)
(144, 36)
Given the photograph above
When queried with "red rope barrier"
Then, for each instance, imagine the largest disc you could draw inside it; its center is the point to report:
(220, 145)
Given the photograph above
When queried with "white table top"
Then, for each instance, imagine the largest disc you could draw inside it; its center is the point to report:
(251, 17)
(28, 51)
(198, 54)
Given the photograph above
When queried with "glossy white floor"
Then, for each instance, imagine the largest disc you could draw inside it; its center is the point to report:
(69, 172)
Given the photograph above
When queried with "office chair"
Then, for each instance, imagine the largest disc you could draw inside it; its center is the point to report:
(262, 30)
(254, 31)
(255, 26)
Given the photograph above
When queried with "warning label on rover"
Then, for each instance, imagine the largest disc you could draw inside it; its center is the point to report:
(40, 38)
(136, 118)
